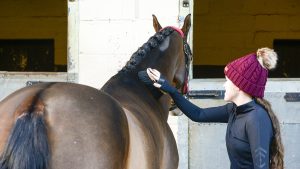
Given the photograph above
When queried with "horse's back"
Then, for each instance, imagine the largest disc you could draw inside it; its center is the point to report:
(86, 127)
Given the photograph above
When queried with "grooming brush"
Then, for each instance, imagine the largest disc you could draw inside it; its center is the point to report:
(143, 76)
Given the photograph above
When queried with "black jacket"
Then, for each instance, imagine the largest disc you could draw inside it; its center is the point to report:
(249, 131)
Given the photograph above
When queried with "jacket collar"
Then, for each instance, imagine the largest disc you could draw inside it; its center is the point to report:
(245, 108)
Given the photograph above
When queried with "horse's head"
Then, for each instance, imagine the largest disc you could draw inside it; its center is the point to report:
(180, 54)
(166, 51)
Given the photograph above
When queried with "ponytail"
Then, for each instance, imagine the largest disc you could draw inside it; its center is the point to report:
(276, 148)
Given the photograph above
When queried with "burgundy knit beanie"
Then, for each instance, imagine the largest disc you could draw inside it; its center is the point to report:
(249, 73)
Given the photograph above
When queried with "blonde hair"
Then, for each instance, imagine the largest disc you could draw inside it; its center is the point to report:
(267, 58)
(276, 147)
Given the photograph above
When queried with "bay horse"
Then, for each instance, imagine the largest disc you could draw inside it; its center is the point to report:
(121, 126)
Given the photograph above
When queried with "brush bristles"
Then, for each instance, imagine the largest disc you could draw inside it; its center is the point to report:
(143, 76)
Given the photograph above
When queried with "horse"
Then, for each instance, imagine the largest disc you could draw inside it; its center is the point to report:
(121, 126)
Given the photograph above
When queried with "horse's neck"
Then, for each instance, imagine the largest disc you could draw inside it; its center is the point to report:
(126, 89)
(120, 84)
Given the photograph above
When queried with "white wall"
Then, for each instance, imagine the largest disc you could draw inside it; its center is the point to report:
(110, 31)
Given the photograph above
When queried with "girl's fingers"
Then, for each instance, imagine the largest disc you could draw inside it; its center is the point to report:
(155, 73)
(154, 76)
(150, 74)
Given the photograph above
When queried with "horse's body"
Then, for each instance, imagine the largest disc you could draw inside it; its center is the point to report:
(122, 126)
(79, 128)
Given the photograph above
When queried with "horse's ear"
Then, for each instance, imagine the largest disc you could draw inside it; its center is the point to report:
(187, 24)
(156, 24)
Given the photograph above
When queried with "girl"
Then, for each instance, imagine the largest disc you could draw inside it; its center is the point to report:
(253, 137)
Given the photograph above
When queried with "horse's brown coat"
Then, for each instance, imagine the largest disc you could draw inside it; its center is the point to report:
(121, 126)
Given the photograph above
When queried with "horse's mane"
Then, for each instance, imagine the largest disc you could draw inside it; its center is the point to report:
(142, 52)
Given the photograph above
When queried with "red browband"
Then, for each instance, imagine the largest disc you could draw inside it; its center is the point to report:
(176, 29)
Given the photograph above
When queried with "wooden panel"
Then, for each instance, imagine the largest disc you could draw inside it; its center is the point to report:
(34, 19)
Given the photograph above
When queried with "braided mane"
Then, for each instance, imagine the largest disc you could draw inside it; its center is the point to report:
(142, 52)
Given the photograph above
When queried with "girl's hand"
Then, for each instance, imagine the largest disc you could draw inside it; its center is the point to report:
(154, 75)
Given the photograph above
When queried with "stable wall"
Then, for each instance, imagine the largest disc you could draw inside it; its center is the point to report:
(111, 31)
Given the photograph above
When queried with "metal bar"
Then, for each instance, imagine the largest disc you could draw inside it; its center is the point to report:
(202, 94)
(292, 97)
(29, 83)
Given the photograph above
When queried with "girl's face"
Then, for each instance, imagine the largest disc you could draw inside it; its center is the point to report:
(231, 91)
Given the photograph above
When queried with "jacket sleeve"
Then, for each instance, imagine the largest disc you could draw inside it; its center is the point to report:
(195, 113)
(259, 132)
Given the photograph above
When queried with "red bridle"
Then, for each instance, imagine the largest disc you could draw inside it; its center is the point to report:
(176, 29)
(188, 54)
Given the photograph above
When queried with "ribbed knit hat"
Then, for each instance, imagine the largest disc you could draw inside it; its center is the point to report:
(249, 73)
